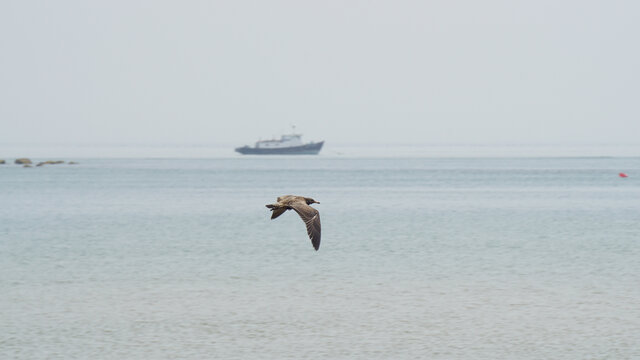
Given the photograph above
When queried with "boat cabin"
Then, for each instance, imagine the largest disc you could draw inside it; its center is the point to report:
(285, 141)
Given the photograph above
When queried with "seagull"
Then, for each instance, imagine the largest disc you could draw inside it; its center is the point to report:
(309, 215)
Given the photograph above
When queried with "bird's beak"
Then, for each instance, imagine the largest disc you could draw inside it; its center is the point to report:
(317, 202)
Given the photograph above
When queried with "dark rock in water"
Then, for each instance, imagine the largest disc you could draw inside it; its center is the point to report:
(23, 161)
(73, 163)
(26, 165)
(50, 162)
(2, 161)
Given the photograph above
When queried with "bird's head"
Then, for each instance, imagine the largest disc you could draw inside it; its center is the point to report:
(311, 201)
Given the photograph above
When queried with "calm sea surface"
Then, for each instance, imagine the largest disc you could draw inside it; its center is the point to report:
(440, 258)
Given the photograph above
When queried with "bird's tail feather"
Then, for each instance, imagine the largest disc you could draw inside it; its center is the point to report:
(276, 210)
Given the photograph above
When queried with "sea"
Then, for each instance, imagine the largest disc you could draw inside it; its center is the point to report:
(437, 253)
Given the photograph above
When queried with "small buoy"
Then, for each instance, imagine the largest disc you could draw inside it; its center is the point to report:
(623, 175)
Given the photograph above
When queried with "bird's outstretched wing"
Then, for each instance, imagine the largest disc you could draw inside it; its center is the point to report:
(311, 218)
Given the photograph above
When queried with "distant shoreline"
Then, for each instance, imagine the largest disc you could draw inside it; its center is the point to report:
(48, 152)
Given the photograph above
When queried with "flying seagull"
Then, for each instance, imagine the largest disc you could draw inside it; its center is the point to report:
(309, 215)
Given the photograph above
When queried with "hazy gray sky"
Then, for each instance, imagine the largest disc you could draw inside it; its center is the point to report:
(211, 72)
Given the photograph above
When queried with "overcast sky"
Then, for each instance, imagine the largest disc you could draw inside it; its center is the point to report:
(214, 72)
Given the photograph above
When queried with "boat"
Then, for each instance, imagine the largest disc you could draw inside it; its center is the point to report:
(289, 144)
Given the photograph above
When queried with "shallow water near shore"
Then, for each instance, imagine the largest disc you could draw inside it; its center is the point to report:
(443, 258)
